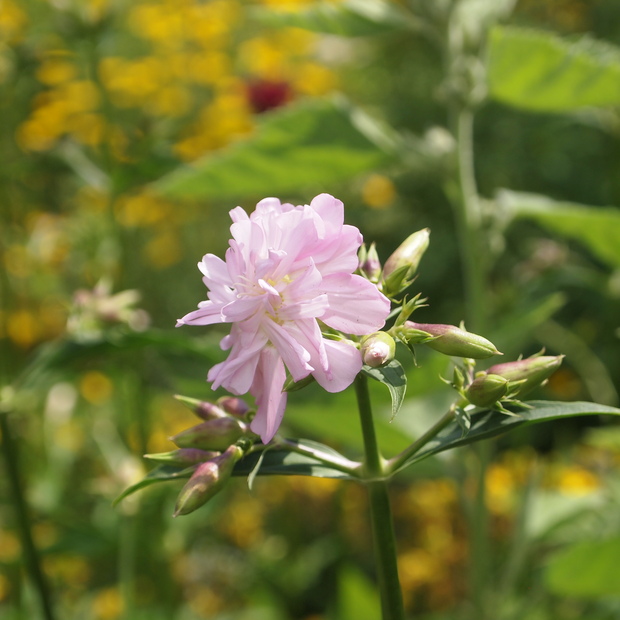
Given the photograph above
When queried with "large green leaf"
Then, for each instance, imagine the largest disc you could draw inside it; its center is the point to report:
(537, 70)
(308, 144)
(350, 18)
(587, 569)
(486, 424)
(598, 228)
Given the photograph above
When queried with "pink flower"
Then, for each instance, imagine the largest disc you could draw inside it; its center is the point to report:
(287, 268)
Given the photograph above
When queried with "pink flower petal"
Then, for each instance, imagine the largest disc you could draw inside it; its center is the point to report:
(344, 361)
(267, 390)
(355, 304)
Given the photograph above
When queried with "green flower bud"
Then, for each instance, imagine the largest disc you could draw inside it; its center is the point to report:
(486, 389)
(216, 434)
(208, 479)
(452, 340)
(528, 373)
(402, 265)
(378, 349)
(370, 265)
(182, 456)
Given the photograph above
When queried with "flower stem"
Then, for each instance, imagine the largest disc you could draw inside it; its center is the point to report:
(397, 462)
(24, 523)
(384, 539)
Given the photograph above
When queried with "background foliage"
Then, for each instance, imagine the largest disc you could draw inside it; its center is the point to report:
(131, 128)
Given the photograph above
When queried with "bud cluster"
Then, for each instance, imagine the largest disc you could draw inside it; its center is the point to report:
(510, 380)
(210, 449)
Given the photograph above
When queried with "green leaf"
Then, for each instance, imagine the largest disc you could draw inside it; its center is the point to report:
(487, 423)
(351, 18)
(587, 569)
(393, 376)
(277, 461)
(308, 144)
(537, 70)
(162, 473)
(597, 228)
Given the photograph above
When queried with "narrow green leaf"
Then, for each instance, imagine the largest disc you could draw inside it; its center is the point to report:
(351, 18)
(487, 423)
(277, 461)
(163, 473)
(597, 228)
(587, 569)
(393, 376)
(463, 419)
(537, 70)
(308, 144)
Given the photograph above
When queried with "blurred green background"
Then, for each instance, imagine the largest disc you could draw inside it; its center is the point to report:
(130, 129)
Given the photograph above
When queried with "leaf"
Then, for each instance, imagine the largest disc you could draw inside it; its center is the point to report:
(277, 461)
(311, 143)
(536, 70)
(162, 473)
(487, 423)
(587, 569)
(351, 18)
(463, 419)
(393, 376)
(597, 228)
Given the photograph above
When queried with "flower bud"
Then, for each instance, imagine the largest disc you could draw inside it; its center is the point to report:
(233, 405)
(378, 349)
(182, 456)
(216, 434)
(402, 265)
(370, 265)
(208, 479)
(486, 389)
(528, 373)
(452, 340)
(202, 408)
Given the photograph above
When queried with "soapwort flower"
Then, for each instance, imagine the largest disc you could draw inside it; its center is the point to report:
(287, 268)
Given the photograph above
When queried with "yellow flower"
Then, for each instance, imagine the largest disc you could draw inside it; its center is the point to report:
(378, 191)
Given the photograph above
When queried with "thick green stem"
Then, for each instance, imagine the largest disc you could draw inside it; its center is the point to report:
(24, 523)
(381, 515)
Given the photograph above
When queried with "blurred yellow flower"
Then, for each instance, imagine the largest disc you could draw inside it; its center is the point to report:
(378, 191)
(107, 604)
(22, 327)
(576, 480)
(96, 387)
(13, 20)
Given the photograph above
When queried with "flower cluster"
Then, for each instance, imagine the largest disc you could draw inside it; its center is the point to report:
(287, 269)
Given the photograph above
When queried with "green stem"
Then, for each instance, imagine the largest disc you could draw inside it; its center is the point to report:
(381, 515)
(24, 522)
(397, 462)
(340, 463)
(469, 222)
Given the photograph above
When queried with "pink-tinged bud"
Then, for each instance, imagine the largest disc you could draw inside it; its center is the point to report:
(528, 373)
(182, 456)
(378, 349)
(402, 265)
(452, 340)
(370, 265)
(233, 405)
(215, 434)
(486, 389)
(208, 479)
(202, 408)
